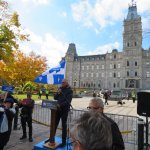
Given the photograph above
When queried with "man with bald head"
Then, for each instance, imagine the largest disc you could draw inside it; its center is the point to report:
(64, 98)
(97, 105)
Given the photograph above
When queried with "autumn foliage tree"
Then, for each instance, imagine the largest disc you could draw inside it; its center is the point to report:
(24, 68)
(10, 32)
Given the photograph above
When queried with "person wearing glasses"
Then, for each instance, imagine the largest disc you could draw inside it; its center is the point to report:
(97, 105)
(91, 131)
(64, 98)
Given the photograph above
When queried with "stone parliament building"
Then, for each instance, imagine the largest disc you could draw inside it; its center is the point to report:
(126, 70)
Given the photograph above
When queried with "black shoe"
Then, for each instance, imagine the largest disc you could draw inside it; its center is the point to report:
(61, 145)
(31, 139)
(23, 137)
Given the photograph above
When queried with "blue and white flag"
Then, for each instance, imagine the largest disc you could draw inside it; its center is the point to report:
(54, 75)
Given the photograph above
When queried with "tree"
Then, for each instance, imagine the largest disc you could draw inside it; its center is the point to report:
(24, 68)
(10, 32)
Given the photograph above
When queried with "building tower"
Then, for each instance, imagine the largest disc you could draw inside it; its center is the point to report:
(132, 48)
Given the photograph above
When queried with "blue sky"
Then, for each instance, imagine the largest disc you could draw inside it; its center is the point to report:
(95, 26)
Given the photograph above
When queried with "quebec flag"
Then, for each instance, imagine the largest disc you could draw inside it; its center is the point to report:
(54, 75)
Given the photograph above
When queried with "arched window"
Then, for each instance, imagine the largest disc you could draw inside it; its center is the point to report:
(114, 85)
(127, 63)
(115, 56)
(114, 75)
(114, 66)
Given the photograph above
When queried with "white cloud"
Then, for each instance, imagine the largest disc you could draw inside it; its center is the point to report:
(63, 14)
(48, 45)
(104, 12)
(104, 49)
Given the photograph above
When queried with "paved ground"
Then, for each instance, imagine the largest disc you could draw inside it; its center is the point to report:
(42, 132)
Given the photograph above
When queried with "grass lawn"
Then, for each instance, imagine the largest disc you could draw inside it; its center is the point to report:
(34, 97)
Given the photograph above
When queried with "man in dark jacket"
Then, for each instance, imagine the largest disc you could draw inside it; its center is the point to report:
(96, 104)
(6, 108)
(64, 98)
(27, 106)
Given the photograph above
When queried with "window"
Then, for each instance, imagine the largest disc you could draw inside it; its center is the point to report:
(82, 74)
(97, 75)
(135, 44)
(127, 63)
(118, 65)
(118, 74)
(136, 63)
(110, 74)
(110, 66)
(114, 56)
(86, 74)
(102, 66)
(97, 66)
(114, 85)
(127, 73)
(92, 67)
(82, 67)
(135, 74)
(114, 66)
(128, 44)
(87, 67)
(114, 75)
(147, 74)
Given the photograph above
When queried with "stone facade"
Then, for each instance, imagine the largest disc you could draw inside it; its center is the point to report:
(129, 69)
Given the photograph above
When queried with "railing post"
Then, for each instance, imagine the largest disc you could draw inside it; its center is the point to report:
(140, 134)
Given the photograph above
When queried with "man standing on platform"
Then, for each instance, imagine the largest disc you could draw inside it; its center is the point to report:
(64, 98)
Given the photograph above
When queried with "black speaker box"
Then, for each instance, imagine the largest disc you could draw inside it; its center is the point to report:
(143, 103)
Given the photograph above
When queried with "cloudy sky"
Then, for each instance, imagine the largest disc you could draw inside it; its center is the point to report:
(95, 26)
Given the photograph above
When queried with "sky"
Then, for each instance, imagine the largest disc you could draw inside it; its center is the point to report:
(95, 26)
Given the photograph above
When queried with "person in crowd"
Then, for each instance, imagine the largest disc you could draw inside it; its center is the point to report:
(26, 106)
(6, 109)
(106, 98)
(133, 96)
(91, 131)
(9, 95)
(97, 105)
(40, 93)
(64, 98)
(46, 93)
(94, 93)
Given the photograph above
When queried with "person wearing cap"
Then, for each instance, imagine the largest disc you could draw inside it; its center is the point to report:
(97, 105)
(6, 108)
(27, 106)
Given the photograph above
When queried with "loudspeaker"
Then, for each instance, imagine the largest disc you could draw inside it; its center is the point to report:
(143, 103)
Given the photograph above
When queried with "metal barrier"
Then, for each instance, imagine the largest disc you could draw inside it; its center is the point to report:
(127, 124)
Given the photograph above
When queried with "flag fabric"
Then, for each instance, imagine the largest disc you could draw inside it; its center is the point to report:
(54, 75)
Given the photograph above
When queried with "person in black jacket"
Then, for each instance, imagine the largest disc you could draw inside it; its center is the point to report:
(9, 95)
(27, 106)
(96, 104)
(6, 108)
(64, 98)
